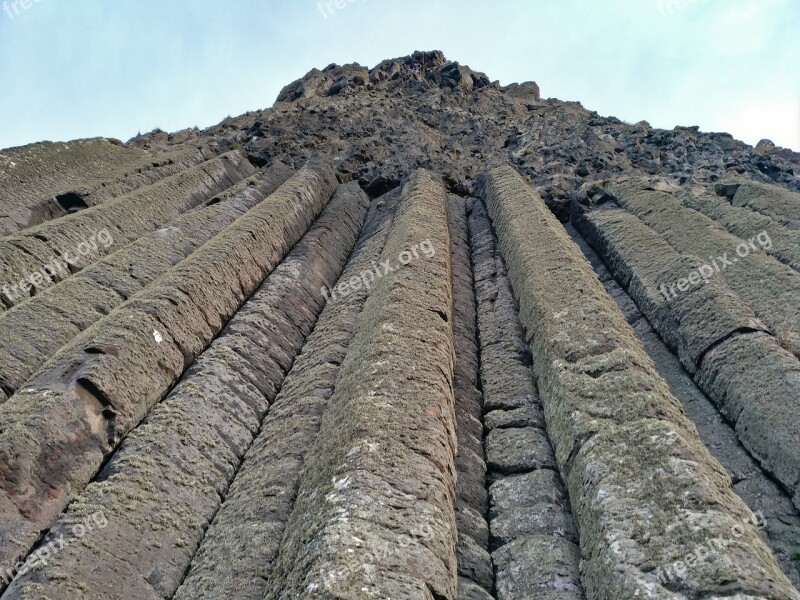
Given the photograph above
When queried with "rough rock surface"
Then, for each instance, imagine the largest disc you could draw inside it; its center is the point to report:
(406, 334)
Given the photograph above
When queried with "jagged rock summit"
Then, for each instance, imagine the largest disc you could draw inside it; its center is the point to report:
(408, 333)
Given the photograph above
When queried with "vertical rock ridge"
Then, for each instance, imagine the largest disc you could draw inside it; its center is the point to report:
(52, 437)
(374, 516)
(476, 579)
(205, 425)
(752, 379)
(634, 465)
(534, 539)
(239, 550)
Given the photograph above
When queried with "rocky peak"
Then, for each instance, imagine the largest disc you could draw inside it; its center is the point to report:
(424, 110)
(431, 68)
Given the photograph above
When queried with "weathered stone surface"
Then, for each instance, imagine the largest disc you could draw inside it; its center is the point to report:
(57, 430)
(473, 522)
(778, 518)
(536, 519)
(747, 224)
(87, 236)
(474, 561)
(778, 203)
(388, 437)
(201, 430)
(468, 590)
(525, 416)
(238, 552)
(617, 430)
(50, 319)
(555, 576)
(39, 182)
(770, 288)
(692, 319)
(757, 386)
(543, 486)
(518, 450)
(755, 372)
(528, 91)
(527, 496)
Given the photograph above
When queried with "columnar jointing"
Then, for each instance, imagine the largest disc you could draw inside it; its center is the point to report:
(201, 431)
(107, 227)
(238, 552)
(34, 330)
(768, 287)
(731, 353)
(745, 223)
(40, 182)
(778, 518)
(533, 533)
(56, 432)
(475, 576)
(644, 489)
(374, 516)
(771, 200)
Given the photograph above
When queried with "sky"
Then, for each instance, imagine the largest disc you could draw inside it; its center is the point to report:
(82, 68)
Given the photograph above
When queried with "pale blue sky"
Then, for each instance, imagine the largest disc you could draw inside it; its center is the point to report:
(82, 68)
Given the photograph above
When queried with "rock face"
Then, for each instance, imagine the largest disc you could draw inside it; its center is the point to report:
(406, 334)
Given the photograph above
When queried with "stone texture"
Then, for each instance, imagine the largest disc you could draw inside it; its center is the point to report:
(616, 428)
(768, 287)
(778, 518)
(474, 561)
(775, 202)
(56, 431)
(556, 575)
(120, 221)
(43, 181)
(736, 362)
(201, 430)
(746, 224)
(388, 438)
(526, 494)
(51, 319)
(423, 443)
(239, 550)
